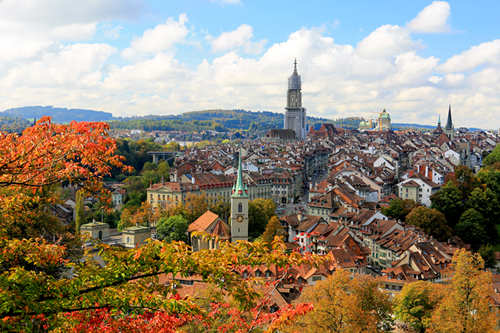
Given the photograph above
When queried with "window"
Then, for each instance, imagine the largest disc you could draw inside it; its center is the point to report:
(240, 207)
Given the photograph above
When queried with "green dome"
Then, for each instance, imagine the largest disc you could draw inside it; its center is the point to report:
(384, 115)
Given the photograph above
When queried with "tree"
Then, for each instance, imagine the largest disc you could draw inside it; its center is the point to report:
(45, 287)
(431, 221)
(259, 213)
(79, 210)
(466, 305)
(484, 201)
(173, 228)
(342, 304)
(470, 228)
(273, 228)
(448, 200)
(398, 208)
(487, 252)
(493, 158)
(416, 303)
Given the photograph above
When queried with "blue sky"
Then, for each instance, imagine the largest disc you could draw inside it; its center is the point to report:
(137, 57)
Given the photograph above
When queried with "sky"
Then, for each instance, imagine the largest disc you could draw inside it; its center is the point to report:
(140, 57)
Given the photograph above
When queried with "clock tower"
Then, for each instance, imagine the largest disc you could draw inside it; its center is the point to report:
(295, 116)
(239, 208)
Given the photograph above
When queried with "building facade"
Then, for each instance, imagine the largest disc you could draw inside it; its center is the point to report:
(295, 116)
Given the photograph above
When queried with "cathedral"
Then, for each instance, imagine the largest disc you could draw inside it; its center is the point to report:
(295, 117)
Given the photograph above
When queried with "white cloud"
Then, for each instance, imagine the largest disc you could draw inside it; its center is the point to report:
(240, 38)
(432, 19)
(386, 41)
(485, 53)
(159, 38)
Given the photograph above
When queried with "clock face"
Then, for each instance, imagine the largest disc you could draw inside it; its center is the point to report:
(239, 219)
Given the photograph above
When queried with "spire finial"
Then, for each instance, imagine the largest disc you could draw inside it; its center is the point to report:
(295, 65)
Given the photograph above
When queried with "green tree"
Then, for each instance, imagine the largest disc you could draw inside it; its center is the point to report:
(273, 228)
(79, 210)
(485, 202)
(173, 228)
(415, 304)
(487, 252)
(448, 200)
(398, 208)
(493, 158)
(259, 212)
(471, 228)
(431, 221)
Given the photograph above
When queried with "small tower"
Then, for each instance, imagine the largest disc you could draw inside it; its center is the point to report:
(449, 130)
(239, 208)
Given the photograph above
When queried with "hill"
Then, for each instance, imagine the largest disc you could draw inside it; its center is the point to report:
(58, 115)
(215, 120)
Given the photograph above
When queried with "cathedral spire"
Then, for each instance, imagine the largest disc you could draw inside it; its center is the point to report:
(295, 66)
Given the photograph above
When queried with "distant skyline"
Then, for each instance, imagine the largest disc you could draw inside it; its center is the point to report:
(135, 57)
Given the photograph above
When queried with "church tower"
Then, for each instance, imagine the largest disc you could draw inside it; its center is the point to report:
(295, 116)
(449, 130)
(239, 208)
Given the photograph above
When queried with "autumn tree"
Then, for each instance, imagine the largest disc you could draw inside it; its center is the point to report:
(343, 304)
(431, 221)
(173, 228)
(399, 208)
(467, 304)
(43, 287)
(273, 228)
(415, 304)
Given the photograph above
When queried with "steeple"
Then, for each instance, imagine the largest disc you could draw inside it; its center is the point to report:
(449, 123)
(239, 189)
(295, 66)
(294, 80)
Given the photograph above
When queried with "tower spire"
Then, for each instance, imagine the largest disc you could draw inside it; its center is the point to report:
(449, 123)
(295, 65)
(239, 189)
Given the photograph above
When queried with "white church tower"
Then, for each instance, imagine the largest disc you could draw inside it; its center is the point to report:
(239, 208)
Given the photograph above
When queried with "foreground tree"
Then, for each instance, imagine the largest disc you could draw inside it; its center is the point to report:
(415, 304)
(45, 285)
(467, 305)
(343, 304)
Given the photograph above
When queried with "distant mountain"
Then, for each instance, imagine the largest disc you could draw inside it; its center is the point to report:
(58, 115)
